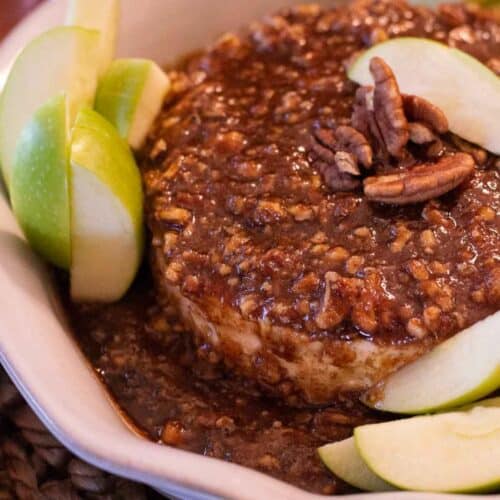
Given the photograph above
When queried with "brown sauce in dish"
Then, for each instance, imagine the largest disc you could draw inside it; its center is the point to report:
(149, 371)
(285, 271)
(442, 255)
(239, 212)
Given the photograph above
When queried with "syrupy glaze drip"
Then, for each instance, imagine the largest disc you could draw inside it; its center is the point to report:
(283, 278)
(148, 368)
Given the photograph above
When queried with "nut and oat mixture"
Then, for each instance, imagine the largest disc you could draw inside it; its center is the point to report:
(303, 215)
(147, 365)
(285, 201)
(243, 211)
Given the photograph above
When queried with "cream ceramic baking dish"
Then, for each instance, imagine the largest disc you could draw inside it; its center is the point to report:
(36, 347)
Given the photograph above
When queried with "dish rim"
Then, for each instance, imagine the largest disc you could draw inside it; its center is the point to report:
(164, 468)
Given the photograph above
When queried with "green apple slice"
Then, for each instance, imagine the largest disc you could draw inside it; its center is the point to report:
(63, 59)
(106, 215)
(100, 15)
(344, 460)
(462, 369)
(448, 452)
(431, 70)
(39, 185)
(130, 95)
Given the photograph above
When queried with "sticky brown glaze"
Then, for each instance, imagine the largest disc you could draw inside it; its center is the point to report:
(146, 364)
(311, 292)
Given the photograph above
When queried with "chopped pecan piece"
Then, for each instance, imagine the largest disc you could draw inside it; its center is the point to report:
(355, 142)
(420, 133)
(376, 35)
(388, 107)
(420, 183)
(346, 163)
(421, 110)
(452, 15)
(335, 179)
(338, 154)
(325, 137)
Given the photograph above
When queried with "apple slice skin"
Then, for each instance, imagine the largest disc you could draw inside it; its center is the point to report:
(485, 403)
(437, 453)
(463, 369)
(472, 115)
(104, 179)
(100, 15)
(39, 186)
(343, 459)
(35, 78)
(130, 95)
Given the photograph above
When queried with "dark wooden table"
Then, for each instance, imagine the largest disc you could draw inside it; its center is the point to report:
(12, 11)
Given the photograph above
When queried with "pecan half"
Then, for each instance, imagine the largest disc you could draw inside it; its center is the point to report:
(418, 109)
(335, 179)
(361, 110)
(420, 183)
(355, 142)
(337, 154)
(322, 152)
(388, 107)
(420, 133)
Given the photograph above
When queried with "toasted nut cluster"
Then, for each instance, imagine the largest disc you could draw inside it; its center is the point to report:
(391, 120)
(335, 178)
(247, 218)
(420, 110)
(355, 143)
(340, 153)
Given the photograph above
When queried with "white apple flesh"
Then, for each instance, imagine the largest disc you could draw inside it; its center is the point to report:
(106, 215)
(462, 369)
(466, 91)
(100, 15)
(130, 96)
(344, 460)
(63, 59)
(39, 183)
(449, 452)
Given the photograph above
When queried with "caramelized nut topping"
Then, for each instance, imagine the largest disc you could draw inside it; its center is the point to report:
(267, 150)
(420, 183)
(355, 143)
(420, 133)
(337, 180)
(388, 107)
(346, 163)
(416, 328)
(421, 110)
